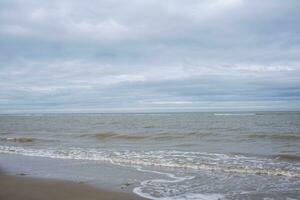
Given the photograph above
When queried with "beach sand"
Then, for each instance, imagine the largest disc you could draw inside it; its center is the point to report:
(25, 188)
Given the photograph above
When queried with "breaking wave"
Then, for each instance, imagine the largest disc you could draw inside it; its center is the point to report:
(169, 159)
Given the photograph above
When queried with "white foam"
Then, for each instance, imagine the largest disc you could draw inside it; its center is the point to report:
(174, 179)
(138, 191)
(167, 159)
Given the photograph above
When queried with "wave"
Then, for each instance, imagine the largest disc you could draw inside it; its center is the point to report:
(167, 136)
(150, 126)
(147, 190)
(234, 114)
(288, 157)
(276, 137)
(159, 136)
(111, 135)
(100, 136)
(131, 137)
(172, 136)
(20, 140)
(169, 159)
(5, 133)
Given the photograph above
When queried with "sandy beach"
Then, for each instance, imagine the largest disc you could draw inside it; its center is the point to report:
(25, 188)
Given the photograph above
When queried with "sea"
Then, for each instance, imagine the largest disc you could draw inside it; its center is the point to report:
(162, 156)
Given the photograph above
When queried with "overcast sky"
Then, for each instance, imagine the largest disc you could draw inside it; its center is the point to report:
(149, 55)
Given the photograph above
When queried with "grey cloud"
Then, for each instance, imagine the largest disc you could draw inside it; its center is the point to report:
(114, 55)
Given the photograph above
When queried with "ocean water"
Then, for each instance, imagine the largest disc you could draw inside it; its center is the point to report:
(190, 155)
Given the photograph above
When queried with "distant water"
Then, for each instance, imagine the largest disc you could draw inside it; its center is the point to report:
(196, 155)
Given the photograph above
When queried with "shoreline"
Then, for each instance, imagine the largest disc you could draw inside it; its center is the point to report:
(28, 188)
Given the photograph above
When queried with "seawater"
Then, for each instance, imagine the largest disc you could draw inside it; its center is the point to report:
(193, 155)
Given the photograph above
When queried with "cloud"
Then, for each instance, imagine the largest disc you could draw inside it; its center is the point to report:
(143, 55)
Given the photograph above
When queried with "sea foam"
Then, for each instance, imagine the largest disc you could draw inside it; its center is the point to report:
(168, 159)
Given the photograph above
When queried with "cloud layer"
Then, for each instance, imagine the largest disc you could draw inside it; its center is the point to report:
(150, 55)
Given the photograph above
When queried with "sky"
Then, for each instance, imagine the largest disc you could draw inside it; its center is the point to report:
(149, 55)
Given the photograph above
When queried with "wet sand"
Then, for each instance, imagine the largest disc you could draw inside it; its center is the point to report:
(25, 188)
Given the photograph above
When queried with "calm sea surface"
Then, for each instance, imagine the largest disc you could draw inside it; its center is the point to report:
(194, 155)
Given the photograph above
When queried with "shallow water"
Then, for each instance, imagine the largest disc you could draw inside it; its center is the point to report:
(192, 155)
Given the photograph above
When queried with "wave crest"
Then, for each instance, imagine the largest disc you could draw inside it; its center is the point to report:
(288, 157)
(157, 137)
(169, 159)
(276, 137)
(20, 140)
(111, 136)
